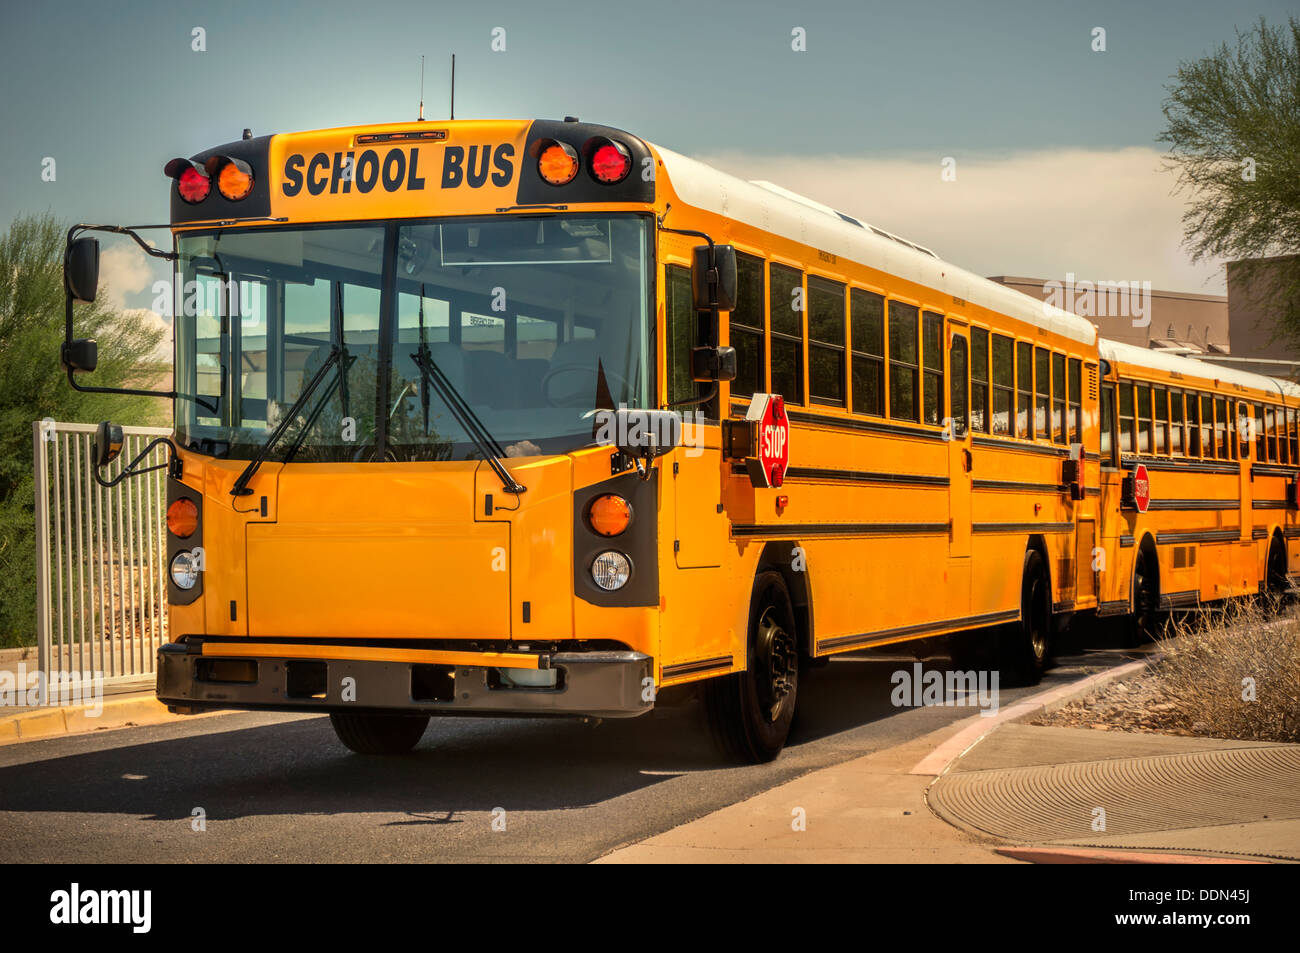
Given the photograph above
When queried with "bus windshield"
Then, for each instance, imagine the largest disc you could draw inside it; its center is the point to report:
(537, 322)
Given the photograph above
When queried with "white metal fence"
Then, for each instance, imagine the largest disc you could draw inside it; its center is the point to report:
(100, 559)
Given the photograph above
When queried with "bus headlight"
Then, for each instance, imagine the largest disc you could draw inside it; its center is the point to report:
(611, 570)
(185, 569)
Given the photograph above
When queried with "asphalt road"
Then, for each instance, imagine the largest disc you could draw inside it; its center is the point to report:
(278, 787)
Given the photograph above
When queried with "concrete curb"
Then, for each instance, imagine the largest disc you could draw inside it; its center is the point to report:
(127, 711)
(978, 727)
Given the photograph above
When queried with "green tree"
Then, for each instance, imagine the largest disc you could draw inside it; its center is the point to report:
(33, 386)
(1233, 129)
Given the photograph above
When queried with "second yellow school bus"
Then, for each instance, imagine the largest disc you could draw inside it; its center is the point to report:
(390, 497)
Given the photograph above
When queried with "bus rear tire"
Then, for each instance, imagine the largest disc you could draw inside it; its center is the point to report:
(1144, 623)
(1277, 585)
(749, 713)
(1025, 647)
(379, 734)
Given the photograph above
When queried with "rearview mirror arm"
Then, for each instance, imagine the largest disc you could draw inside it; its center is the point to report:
(129, 470)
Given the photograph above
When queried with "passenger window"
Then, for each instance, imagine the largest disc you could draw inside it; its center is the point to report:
(1261, 437)
(932, 358)
(1292, 439)
(746, 326)
(1243, 429)
(1193, 425)
(1059, 426)
(868, 327)
(825, 341)
(1075, 411)
(1207, 426)
(1108, 425)
(1221, 429)
(1160, 396)
(1004, 382)
(1270, 426)
(787, 333)
(958, 382)
(903, 369)
(1043, 387)
(979, 373)
(1176, 422)
(1025, 389)
(1144, 418)
(1126, 429)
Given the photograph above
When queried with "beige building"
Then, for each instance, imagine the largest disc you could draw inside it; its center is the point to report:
(1134, 313)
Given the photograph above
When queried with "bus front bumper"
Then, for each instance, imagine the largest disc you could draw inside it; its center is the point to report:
(597, 684)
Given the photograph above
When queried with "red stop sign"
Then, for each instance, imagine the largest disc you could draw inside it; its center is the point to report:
(1141, 488)
(771, 438)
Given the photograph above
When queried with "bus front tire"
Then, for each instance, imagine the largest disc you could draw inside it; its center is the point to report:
(379, 734)
(1024, 647)
(749, 713)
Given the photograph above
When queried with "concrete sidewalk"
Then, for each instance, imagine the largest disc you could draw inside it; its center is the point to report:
(996, 790)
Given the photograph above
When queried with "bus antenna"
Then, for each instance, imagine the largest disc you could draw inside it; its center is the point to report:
(420, 118)
(453, 86)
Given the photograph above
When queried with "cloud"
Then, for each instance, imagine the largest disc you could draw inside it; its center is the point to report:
(123, 270)
(1103, 215)
(152, 319)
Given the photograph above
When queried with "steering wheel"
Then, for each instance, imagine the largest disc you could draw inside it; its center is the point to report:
(614, 382)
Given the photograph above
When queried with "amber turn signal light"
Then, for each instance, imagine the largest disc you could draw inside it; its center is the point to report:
(609, 514)
(182, 518)
(558, 163)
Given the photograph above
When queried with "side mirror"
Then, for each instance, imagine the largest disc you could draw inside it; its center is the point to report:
(640, 433)
(108, 442)
(709, 364)
(79, 355)
(81, 269)
(713, 277)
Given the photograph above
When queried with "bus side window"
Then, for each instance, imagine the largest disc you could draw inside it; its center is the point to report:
(1293, 439)
(1176, 423)
(1261, 439)
(1060, 429)
(1043, 387)
(1193, 426)
(1207, 427)
(1107, 425)
(1221, 429)
(1004, 382)
(1243, 429)
(1074, 410)
(1160, 409)
(1025, 389)
(1270, 427)
(979, 373)
(746, 327)
(958, 380)
(1209, 448)
(932, 361)
(680, 333)
(825, 341)
(1144, 418)
(903, 363)
(868, 343)
(787, 310)
(1127, 442)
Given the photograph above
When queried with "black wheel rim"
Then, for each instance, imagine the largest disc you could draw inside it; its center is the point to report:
(777, 662)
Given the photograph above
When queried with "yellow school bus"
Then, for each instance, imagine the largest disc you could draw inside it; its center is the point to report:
(1218, 451)
(476, 417)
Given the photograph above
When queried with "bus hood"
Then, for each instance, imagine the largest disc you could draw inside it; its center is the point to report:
(388, 552)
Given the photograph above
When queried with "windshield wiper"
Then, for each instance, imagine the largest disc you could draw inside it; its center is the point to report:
(487, 445)
(240, 488)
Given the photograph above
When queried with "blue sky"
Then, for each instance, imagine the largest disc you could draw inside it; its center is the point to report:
(111, 90)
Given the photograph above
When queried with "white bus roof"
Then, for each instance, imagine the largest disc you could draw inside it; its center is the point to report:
(1160, 360)
(772, 208)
